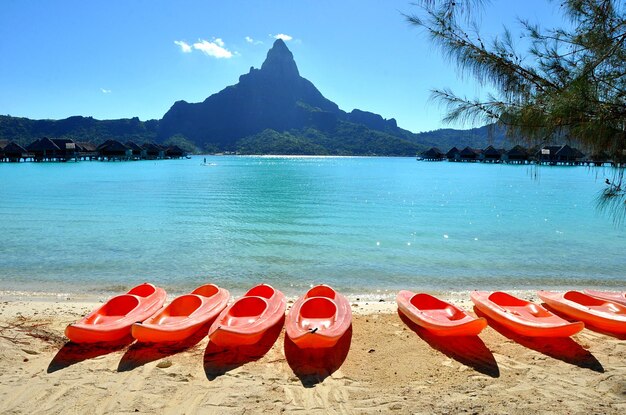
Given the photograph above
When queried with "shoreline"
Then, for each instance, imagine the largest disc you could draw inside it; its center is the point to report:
(458, 297)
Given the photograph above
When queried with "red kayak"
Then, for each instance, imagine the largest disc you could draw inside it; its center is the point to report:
(112, 321)
(183, 316)
(523, 317)
(616, 297)
(438, 317)
(248, 318)
(605, 315)
(319, 318)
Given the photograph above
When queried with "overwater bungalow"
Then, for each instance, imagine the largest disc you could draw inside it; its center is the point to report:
(87, 150)
(599, 158)
(555, 155)
(3, 144)
(469, 154)
(14, 152)
(114, 150)
(137, 151)
(434, 154)
(153, 151)
(517, 155)
(44, 149)
(67, 149)
(174, 152)
(454, 154)
(491, 154)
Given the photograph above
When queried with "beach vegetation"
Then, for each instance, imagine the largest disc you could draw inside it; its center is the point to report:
(567, 84)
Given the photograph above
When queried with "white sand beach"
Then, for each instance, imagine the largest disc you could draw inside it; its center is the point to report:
(382, 366)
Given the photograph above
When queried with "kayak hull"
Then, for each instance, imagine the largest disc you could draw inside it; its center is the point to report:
(319, 318)
(247, 320)
(184, 316)
(438, 317)
(602, 314)
(523, 317)
(113, 320)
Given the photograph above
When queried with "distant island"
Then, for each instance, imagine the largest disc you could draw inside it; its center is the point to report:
(271, 110)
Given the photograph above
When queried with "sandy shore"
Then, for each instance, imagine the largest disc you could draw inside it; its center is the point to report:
(382, 366)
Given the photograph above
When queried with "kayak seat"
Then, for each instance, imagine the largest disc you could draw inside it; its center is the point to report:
(181, 308)
(592, 302)
(143, 290)
(264, 291)
(504, 299)
(321, 291)
(435, 308)
(246, 310)
(529, 311)
(317, 312)
(114, 309)
(208, 290)
(583, 299)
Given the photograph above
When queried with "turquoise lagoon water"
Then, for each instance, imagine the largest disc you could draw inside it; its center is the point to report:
(363, 225)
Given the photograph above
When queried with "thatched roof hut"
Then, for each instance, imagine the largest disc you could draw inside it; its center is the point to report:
(174, 152)
(567, 153)
(453, 154)
(135, 148)
(14, 152)
(114, 149)
(153, 150)
(44, 148)
(556, 154)
(517, 153)
(469, 153)
(86, 146)
(433, 154)
(492, 154)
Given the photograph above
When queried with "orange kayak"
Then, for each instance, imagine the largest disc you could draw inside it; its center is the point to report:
(603, 314)
(183, 316)
(112, 321)
(319, 318)
(438, 317)
(523, 317)
(248, 318)
(616, 297)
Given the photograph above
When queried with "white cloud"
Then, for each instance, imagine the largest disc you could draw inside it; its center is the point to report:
(282, 36)
(252, 41)
(105, 91)
(215, 48)
(184, 46)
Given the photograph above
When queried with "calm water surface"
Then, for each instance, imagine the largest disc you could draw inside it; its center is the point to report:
(364, 225)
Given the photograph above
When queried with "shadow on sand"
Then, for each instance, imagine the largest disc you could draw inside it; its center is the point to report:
(561, 348)
(312, 366)
(72, 353)
(141, 353)
(587, 325)
(467, 350)
(219, 360)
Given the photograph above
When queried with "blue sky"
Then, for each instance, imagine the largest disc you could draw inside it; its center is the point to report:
(119, 59)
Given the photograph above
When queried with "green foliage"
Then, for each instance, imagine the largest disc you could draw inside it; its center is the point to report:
(346, 139)
(273, 142)
(571, 84)
(24, 130)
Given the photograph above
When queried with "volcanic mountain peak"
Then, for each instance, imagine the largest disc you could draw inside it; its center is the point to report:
(280, 62)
